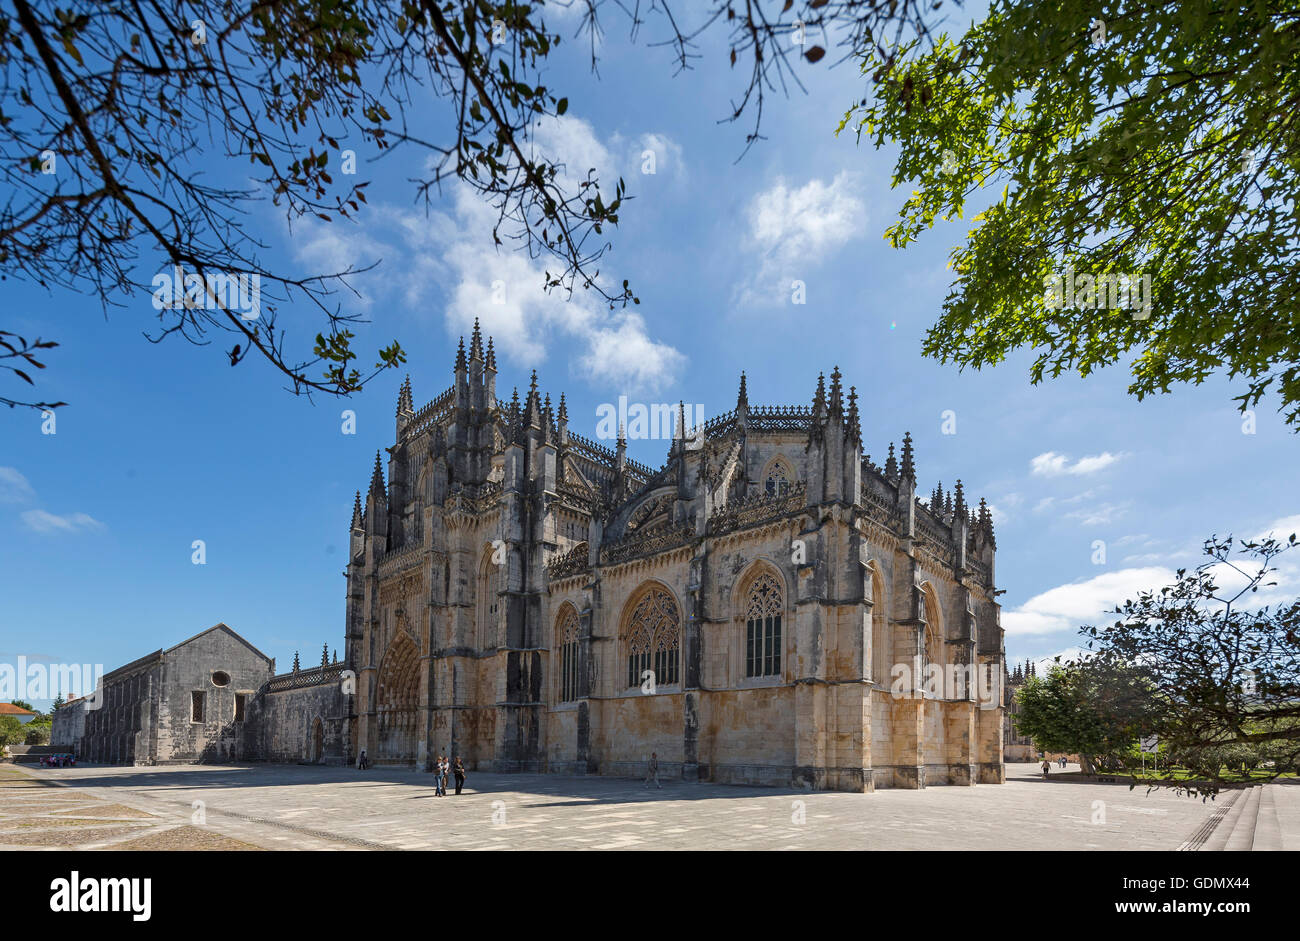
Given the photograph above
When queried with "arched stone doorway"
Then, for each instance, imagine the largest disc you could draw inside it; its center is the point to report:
(317, 751)
(397, 701)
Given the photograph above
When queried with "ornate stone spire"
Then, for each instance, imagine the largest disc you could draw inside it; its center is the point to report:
(377, 478)
(837, 393)
(908, 469)
(295, 661)
(742, 398)
(404, 403)
(476, 343)
(533, 407)
(959, 501)
(356, 512)
(491, 356)
(891, 465)
(986, 522)
(854, 428)
(460, 357)
(325, 656)
(562, 423)
(936, 498)
(819, 399)
(513, 414)
(947, 503)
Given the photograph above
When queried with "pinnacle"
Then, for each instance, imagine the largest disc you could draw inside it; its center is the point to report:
(476, 343)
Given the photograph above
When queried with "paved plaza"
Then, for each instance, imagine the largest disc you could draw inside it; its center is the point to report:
(311, 807)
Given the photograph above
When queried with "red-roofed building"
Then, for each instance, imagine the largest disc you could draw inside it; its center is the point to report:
(18, 712)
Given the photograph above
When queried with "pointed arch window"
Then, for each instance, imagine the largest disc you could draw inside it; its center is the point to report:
(777, 480)
(764, 605)
(491, 579)
(654, 638)
(567, 638)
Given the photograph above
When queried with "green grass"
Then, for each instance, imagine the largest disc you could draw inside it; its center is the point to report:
(1183, 776)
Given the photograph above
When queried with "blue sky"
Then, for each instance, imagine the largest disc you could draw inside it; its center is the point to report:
(166, 444)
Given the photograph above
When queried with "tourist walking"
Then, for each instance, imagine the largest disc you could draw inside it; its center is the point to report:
(458, 770)
(439, 781)
(1047, 766)
(362, 761)
(652, 774)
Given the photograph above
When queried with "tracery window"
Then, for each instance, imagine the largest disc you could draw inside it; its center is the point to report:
(777, 483)
(653, 638)
(763, 627)
(567, 637)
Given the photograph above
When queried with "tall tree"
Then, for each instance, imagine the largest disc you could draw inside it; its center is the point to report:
(1081, 708)
(1222, 673)
(105, 104)
(1134, 149)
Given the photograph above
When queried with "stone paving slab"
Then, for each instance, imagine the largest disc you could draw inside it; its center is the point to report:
(307, 807)
(1286, 805)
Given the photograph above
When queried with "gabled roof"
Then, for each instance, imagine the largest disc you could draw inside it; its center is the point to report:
(9, 709)
(219, 626)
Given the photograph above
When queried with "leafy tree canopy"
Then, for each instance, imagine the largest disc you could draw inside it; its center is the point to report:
(1155, 142)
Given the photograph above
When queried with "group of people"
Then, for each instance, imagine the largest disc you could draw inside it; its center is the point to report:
(441, 769)
(58, 761)
(1047, 765)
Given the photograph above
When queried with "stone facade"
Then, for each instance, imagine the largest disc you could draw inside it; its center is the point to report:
(303, 715)
(766, 607)
(68, 725)
(1017, 747)
(183, 704)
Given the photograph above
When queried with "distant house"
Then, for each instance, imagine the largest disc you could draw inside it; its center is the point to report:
(18, 712)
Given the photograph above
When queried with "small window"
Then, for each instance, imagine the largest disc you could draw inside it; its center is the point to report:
(196, 706)
(220, 678)
(239, 707)
(778, 479)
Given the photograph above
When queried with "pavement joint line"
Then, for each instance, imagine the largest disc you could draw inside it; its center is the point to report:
(320, 834)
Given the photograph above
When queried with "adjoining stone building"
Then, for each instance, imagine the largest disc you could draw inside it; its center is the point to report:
(68, 725)
(183, 704)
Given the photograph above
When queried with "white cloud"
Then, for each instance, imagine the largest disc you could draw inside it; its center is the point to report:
(1069, 607)
(43, 522)
(1102, 514)
(1051, 464)
(454, 251)
(571, 143)
(667, 155)
(504, 290)
(791, 231)
(14, 487)
(1282, 529)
